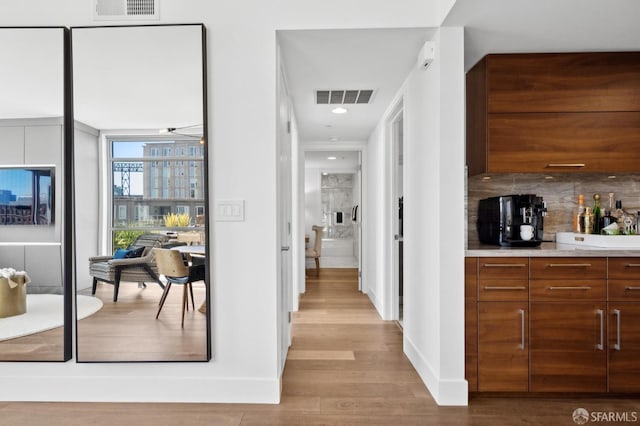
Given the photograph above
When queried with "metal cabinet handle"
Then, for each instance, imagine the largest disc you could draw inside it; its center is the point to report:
(566, 165)
(569, 265)
(522, 329)
(616, 313)
(584, 287)
(600, 346)
(631, 288)
(504, 265)
(495, 287)
(632, 265)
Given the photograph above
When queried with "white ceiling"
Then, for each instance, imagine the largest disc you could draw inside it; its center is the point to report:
(510, 26)
(378, 59)
(138, 77)
(31, 72)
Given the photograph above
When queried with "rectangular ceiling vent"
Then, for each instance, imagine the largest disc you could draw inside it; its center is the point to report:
(126, 10)
(325, 97)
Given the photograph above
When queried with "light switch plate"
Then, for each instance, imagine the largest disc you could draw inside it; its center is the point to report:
(229, 210)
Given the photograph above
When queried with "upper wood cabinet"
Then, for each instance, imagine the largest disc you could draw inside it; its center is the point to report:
(563, 112)
(563, 82)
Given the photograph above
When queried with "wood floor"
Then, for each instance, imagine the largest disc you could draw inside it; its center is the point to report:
(127, 330)
(345, 366)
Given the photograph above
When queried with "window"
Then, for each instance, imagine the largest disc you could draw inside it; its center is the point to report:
(146, 189)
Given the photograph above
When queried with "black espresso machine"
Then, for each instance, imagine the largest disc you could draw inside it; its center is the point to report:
(500, 218)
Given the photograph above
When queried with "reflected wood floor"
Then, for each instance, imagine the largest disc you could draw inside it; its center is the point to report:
(345, 366)
(127, 330)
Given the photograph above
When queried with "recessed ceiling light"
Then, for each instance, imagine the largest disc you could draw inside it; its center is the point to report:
(332, 158)
(325, 174)
(339, 110)
(334, 139)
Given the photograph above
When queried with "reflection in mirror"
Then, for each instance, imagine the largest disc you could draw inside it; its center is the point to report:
(140, 173)
(33, 230)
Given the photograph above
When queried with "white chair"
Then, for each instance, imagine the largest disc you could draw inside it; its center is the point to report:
(316, 251)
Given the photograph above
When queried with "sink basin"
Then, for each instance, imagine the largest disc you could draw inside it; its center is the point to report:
(612, 242)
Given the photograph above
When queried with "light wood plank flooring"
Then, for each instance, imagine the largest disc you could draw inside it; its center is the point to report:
(346, 366)
(127, 330)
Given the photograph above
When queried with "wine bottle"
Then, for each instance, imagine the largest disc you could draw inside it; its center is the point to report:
(578, 218)
(597, 213)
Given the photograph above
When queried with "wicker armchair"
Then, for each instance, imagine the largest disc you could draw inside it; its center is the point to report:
(138, 269)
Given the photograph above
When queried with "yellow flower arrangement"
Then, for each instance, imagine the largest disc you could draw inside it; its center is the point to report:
(173, 220)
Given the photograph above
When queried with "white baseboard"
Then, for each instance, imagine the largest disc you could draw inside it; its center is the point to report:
(140, 389)
(444, 392)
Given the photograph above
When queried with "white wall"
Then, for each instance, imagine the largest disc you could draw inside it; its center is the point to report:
(35, 141)
(241, 49)
(87, 190)
(433, 170)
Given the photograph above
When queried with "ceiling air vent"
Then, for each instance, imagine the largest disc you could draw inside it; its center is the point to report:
(123, 10)
(324, 97)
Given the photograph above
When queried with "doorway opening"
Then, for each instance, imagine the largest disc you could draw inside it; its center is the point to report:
(332, 201)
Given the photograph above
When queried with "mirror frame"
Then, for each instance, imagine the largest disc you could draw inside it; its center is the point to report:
(70, 118)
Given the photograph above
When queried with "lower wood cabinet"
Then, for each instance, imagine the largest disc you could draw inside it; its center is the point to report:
(624, 347)
(503, 349)
(553, 324)
(568, 347)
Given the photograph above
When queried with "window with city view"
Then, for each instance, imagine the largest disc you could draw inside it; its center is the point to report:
(155, 181)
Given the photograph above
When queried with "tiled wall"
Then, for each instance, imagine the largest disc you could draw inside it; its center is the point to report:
(560, 191)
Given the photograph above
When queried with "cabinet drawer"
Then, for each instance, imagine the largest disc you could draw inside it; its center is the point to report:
(568, 290)
(620, 290)
(503, 268)
(503, 290)
(624, 268)
(568, 268)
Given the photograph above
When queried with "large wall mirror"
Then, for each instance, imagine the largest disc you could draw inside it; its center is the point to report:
(35, 238)
(141, 199)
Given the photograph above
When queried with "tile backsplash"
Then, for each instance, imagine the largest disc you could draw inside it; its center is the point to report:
(560, 191)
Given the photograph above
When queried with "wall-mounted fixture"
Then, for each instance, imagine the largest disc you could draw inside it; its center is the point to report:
(427, 55)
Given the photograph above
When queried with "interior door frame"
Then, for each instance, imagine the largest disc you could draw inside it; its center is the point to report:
(360, 148)
(392, 225)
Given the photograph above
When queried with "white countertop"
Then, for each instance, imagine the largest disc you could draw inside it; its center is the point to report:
(547, 250)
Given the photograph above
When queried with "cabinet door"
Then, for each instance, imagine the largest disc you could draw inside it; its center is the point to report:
(624, 347)
(567, 347)
(503, 360)
(564, 142)
(564, 82)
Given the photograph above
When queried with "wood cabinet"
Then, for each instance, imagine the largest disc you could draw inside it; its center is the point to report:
(554, 324)
(503, 349)
(561, 112)
(624, 325)
(568, 325)
(471, 322)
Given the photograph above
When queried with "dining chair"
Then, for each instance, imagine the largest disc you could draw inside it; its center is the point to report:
(315, 252)
(171, 264)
